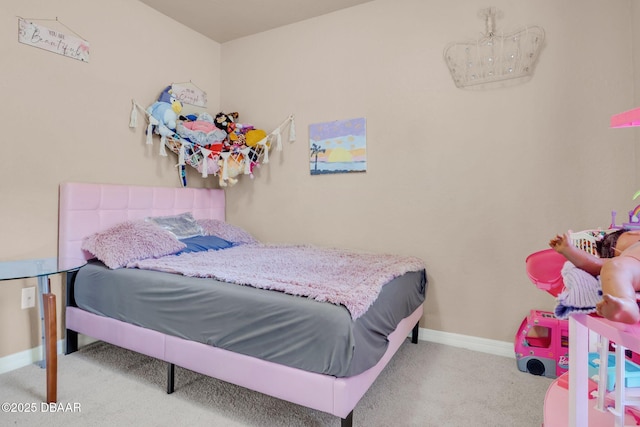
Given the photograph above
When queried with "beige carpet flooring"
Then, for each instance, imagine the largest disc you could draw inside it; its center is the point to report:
(426, 384)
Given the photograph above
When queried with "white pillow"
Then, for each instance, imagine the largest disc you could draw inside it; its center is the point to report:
(182, 226)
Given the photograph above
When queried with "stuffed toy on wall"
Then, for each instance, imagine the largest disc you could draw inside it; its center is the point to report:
(163, 116)
(230, 167)
(219, 146)
(226, 122)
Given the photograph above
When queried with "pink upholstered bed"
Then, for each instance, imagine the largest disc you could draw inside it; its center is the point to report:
(89, 208)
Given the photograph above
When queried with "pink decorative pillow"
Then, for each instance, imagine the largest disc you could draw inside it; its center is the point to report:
(226, 231)
(131, 241)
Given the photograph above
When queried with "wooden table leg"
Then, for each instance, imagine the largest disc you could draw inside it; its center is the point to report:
(51, 340)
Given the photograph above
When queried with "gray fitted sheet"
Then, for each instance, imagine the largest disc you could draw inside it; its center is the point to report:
(290, 330)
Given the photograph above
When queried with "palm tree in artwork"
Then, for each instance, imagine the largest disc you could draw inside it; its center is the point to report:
(315, 150)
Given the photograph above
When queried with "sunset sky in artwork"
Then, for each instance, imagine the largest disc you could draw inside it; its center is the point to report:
(343, 140)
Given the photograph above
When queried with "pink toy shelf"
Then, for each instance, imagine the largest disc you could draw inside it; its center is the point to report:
(626, 119)
(581, 412)
(575, 399)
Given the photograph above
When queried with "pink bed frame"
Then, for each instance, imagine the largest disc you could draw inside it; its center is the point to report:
(88, 208)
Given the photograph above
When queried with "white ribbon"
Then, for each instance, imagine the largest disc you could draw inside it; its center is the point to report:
(163, 143)
(205, 162)
(278, 141)
(182, 153)
(133, 118)
(265, 149)
(247, 161)
(152, 122)
(292, 129)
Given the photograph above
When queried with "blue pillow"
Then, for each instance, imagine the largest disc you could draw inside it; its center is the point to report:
(204, 243)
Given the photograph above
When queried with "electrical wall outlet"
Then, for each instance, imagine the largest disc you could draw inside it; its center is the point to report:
(29, 297)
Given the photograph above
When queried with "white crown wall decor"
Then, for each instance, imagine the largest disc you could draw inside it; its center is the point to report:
(494, 57)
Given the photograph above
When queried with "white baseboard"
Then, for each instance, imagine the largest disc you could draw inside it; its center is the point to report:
(484, 345)
(24, 358)
(34, 355)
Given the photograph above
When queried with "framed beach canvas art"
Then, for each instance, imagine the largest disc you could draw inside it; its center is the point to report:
(338, 147)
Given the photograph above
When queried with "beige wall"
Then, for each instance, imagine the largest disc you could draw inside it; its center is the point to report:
(64, 120)
(470, 181)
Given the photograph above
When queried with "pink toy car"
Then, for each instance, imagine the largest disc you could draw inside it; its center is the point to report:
(542, 345)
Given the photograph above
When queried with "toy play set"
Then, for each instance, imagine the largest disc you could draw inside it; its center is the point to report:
(571, 406)
(542, 340)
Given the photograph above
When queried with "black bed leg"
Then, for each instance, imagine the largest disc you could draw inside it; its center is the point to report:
(71, 342)
(71, 337)
(414, 333)
(348, 421)
(170, 377)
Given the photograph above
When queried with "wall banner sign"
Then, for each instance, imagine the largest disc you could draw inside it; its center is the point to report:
(54, 41)
(189, 94)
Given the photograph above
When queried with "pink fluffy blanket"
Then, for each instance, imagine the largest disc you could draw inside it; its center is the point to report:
(353, 279)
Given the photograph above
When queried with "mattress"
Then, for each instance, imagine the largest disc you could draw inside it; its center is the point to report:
(290, 330)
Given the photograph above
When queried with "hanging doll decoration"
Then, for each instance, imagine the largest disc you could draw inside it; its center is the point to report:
(215, 145)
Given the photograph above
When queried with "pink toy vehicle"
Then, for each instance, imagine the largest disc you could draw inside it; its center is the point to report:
(542, 345)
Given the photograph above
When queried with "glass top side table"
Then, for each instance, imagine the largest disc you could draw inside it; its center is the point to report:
(41, 269)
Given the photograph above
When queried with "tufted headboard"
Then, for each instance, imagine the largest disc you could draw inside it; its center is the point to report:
(87, 208)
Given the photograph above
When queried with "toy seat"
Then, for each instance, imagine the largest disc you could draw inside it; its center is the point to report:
(544, 269)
